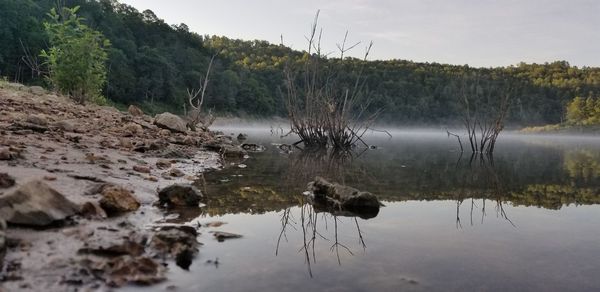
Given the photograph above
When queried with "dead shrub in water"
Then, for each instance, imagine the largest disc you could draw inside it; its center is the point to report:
(323, 111)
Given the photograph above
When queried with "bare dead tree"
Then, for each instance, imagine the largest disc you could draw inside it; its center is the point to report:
(196, 101)
(31, 61)
(485, 107)
(322, 111)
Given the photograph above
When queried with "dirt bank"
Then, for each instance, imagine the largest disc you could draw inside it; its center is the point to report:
(110, 165)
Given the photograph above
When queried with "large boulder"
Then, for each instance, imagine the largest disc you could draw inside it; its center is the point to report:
(35, 204)
(182, 195)
(340, 197)
(171, 122)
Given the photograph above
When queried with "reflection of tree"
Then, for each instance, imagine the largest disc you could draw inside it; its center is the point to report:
(582, 164)
(315, 226)
(482, 176)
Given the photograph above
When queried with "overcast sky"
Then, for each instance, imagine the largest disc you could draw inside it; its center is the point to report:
(480, 33)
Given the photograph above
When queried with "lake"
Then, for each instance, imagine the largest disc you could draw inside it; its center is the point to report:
(526, 219)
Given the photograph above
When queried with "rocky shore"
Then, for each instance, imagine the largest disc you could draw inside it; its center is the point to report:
(84, 191)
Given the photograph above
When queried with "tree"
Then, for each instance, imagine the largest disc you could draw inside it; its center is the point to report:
(77, 56)
(575, 111)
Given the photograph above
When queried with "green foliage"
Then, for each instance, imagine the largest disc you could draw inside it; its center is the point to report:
(151, 62)
(583, 112)
(77, 56)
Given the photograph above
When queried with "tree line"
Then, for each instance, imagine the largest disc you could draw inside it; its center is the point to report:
(151, 63)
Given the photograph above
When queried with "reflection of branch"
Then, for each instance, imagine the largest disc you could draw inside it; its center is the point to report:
(361, 240)
(285, 221)
(337, 243)
(310, 234)
(458, 224)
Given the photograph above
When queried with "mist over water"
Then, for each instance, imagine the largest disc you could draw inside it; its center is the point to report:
(524, 219)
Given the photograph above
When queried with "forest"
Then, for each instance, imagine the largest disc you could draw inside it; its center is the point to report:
(152, 64)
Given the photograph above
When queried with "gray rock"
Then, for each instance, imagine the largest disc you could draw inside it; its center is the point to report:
(66, 125)
(39, 120)
(343, 197)
(171, 122)
(37, 90)
(225, 149)
(35, 204)
(180, 195)
(135, 111)
(6, 181)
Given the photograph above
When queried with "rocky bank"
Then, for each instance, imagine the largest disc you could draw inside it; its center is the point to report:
(83, 190)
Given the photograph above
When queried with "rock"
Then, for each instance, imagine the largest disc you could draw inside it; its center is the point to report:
(344, 197)
(164, 133)
(242, 137)
(221, 236)
(5, 154)
(132, 129)
(92, 210)
(123, 270)
(253, 147)
(163, 164)
(37, 90)
(105, 247)
(35, 204)
(179, 242)
(135, 111)
(39, 120)
(225, 149)
(125, 143)
(180, 195)
(175, 172)
(116, 199)
(66, 125)
(141, 168)
(6, 181)
(171, 122)
(28, 126)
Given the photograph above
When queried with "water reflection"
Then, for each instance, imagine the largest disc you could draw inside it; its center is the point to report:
(520, 175)
(451, 223)
(315, 227)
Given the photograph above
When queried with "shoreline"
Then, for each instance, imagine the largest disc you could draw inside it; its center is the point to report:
(76, 151)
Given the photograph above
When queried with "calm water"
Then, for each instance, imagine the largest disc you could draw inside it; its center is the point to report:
(527, 220)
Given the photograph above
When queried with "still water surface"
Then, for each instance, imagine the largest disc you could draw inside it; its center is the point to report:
(528, 219)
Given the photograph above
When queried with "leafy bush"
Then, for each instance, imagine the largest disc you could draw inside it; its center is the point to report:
(77, 56)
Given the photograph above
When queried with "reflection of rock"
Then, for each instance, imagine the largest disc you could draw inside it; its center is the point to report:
(35, 204)
(180, 195)
(179, 242)
(253, 147)
(343, 198)
(221, 236)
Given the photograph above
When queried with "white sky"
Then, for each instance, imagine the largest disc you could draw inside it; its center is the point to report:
(480, 33)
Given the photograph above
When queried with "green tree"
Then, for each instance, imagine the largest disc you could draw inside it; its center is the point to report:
(576, 111)
(77, 56)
